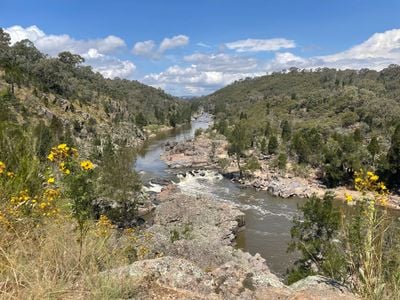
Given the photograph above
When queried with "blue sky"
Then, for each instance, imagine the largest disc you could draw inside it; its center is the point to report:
(195, 47)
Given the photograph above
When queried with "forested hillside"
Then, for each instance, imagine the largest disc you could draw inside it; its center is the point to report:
(335, 121)
(74, 102)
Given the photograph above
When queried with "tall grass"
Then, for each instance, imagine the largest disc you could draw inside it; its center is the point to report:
(44, 264)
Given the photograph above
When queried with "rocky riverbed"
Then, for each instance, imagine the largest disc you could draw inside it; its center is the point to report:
(192, 256)
(210, 151)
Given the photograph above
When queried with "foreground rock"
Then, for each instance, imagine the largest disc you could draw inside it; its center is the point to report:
(192, 257)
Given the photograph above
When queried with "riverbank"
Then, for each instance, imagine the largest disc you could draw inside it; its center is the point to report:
(191, 255)
(210, 151)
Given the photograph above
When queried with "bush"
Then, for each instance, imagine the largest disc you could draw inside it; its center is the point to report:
(313, 236)
(282, 161)
(252, 164)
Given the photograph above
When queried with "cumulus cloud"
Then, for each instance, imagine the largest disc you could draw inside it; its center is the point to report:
(258, 45)
(149, 49)
(145, 48)
(174, 42)
(53, 44)
(205, 73)
(377, 52)
(109, 66)
(97, 52)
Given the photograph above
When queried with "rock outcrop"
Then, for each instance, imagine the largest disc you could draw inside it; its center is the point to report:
(192, 256)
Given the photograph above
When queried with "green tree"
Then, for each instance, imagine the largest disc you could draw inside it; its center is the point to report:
(239, 142)
(393, 158)
(141, 120)
(282, 161)
(5, 40)
(71, 60)
(312, 235)
(373, 147)
(263, 145)
(267, 129)
(273, 145)
(286, 130)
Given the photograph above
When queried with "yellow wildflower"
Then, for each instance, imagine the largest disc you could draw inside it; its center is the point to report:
(374, 178)
(51, 156)
(51, 180)
(2, 167)
(63, 147)
(349, 198)
(87, 165)
(10, 174)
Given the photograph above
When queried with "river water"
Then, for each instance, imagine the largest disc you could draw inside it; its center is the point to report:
(268, 218)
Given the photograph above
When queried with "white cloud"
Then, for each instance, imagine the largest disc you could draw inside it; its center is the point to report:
(222, 62)
(149, 48)
(53, 44)
(205, 73)
(258, 45)
(145, 48)
(18, 33)
(204, 45)
(377, 52)
(95, 51)
(109, 66)
(174, 42)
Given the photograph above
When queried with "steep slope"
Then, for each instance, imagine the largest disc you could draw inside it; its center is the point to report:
(76, 102)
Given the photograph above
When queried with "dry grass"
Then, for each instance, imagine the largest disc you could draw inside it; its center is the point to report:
(43, 264)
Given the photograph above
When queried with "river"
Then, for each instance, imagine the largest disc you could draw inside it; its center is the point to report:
(268, 218)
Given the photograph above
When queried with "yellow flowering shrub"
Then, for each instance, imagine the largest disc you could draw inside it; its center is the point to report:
(373, 190)
(19, 205)
(366, 233)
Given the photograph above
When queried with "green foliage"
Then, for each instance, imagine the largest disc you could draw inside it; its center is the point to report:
(222, 127)
(252, 164)
(315, 112)
(66, 76)
(119, 181)
(286, 131)
(239, 141)
(393, 156)
(140, 120)
(282, 161)
(313, 235)
(373, 147)
(273, 145)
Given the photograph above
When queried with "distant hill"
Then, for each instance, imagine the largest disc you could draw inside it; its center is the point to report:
(329, 116)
